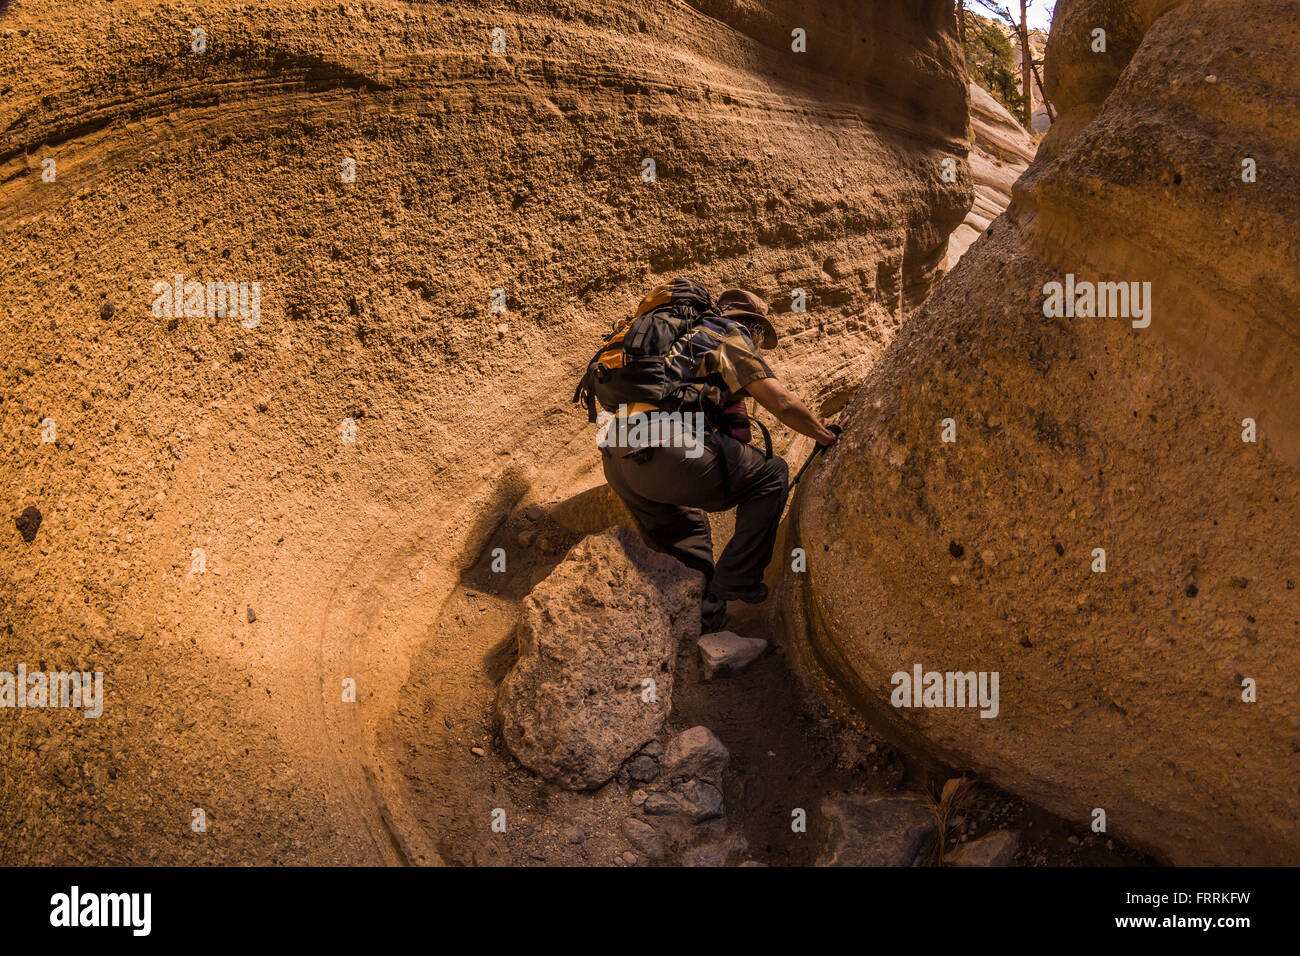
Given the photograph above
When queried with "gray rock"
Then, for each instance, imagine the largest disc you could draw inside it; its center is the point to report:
(727, 651)
(576, 834)
(660, 804)
(644, 837)
(609, 617)
(699, 801)
(993, 849)
(876, 830)
(696, 753)
(642, 769)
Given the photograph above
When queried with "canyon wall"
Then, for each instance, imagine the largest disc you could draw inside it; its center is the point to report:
(1001, 151)
(243, 515)
(1112, 524)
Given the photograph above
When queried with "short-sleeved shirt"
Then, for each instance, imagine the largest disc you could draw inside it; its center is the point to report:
(720, 351)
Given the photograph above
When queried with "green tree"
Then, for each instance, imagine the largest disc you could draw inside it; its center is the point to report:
(991, 61)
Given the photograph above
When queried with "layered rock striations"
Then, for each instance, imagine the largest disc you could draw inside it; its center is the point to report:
(398, 231)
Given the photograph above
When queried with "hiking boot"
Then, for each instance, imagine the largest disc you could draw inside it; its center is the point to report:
(754, 595)
(717, 621)
(713, 614)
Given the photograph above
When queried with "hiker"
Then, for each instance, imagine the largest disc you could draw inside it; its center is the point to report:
(687, 364)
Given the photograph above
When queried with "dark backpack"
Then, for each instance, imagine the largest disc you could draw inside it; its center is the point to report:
(632, 366)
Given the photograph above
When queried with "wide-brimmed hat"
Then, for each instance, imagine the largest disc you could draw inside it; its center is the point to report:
(743, 306)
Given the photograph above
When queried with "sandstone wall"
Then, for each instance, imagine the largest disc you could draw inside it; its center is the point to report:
(475, 171)
(1120, 690)
(1000, 151)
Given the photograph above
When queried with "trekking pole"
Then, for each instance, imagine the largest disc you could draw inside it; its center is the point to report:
(820, 448)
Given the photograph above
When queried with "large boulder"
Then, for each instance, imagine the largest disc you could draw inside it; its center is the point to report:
(1126, 678)
(593, 635)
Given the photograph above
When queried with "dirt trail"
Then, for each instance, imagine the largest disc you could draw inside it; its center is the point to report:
(448, 769)
(445, 715)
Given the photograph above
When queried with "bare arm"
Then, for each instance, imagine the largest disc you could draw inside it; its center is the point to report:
(789, 411)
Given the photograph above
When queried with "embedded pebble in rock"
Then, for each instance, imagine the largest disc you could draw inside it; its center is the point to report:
(711, 854)
(728, 651)
(29, 522)
(717, 852)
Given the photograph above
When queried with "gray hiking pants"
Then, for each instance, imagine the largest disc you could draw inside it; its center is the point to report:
(668, 493)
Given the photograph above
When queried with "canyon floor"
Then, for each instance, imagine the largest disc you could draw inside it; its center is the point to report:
(788, 750)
